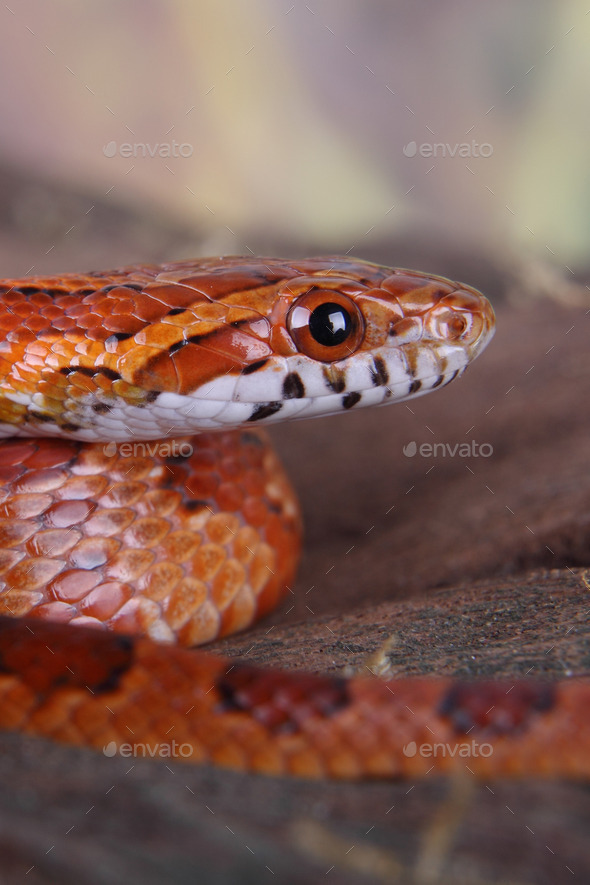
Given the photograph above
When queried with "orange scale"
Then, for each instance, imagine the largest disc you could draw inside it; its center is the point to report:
(164, 502)
(38, 481)
(245, 543)
(20, 336)
(253, 482)
(73, 585)
(202, 486)
(67, 513)
(120, 301)
(207, 561)
(180, 545)
(188, 595)
(9, 558)
(25, 506)
(108, 522)
(52, 542)
(88, 622)
(240, 613)
(23, 309)
(91, 553)
(15, 532)
(161, 580)
(261, 567)
(135, 616)
(51, 311)
(129, 325)
(33, 573)
(276, 532)
(230, 467)
(9, 322)
(147, 531)
(106, 599)
(52, 453)
(37, 323)
(129, 565)
(81, 487)
(230, 497)
(13, 297)
(64, 323)
(255, 512)
(9, 474)
(54, 611)
(222, 527)
(123, 494)
(79, 383)
(227, 583)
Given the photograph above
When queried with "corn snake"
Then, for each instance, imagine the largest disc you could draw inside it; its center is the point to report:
(192, 537)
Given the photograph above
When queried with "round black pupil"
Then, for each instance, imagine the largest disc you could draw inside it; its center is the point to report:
(330, 324)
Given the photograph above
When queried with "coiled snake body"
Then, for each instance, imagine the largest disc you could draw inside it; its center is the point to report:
(140, 495)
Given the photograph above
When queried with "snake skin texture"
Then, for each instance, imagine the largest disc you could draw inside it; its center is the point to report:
(143, 509)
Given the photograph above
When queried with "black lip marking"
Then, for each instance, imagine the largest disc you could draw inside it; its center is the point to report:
(69, 425)
(175, 311)
(101, 408)
(438, 381)
(152, 396)
(452, 378)
(265, 410)
(253, 367)
(415, 386)
(379, 373)
(335, 379)
(293, 386)
(351, 399)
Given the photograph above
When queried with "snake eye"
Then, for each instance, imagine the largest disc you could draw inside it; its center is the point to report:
(325, 325)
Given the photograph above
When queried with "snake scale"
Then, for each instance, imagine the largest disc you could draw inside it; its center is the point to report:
(143, 510)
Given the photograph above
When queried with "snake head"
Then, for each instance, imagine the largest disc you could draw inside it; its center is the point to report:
(151, 351)
(343, 334)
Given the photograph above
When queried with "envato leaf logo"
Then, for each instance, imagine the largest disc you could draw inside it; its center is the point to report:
(410, 749)
(110, 149)
(110, 750)
(410, 450)
(410, 149)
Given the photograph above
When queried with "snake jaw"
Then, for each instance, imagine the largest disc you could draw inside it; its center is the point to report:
(152, 352)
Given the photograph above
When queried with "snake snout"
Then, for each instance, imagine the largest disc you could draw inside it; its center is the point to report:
(464, 317)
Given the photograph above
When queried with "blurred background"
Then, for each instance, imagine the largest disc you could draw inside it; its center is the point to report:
(450, 135)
